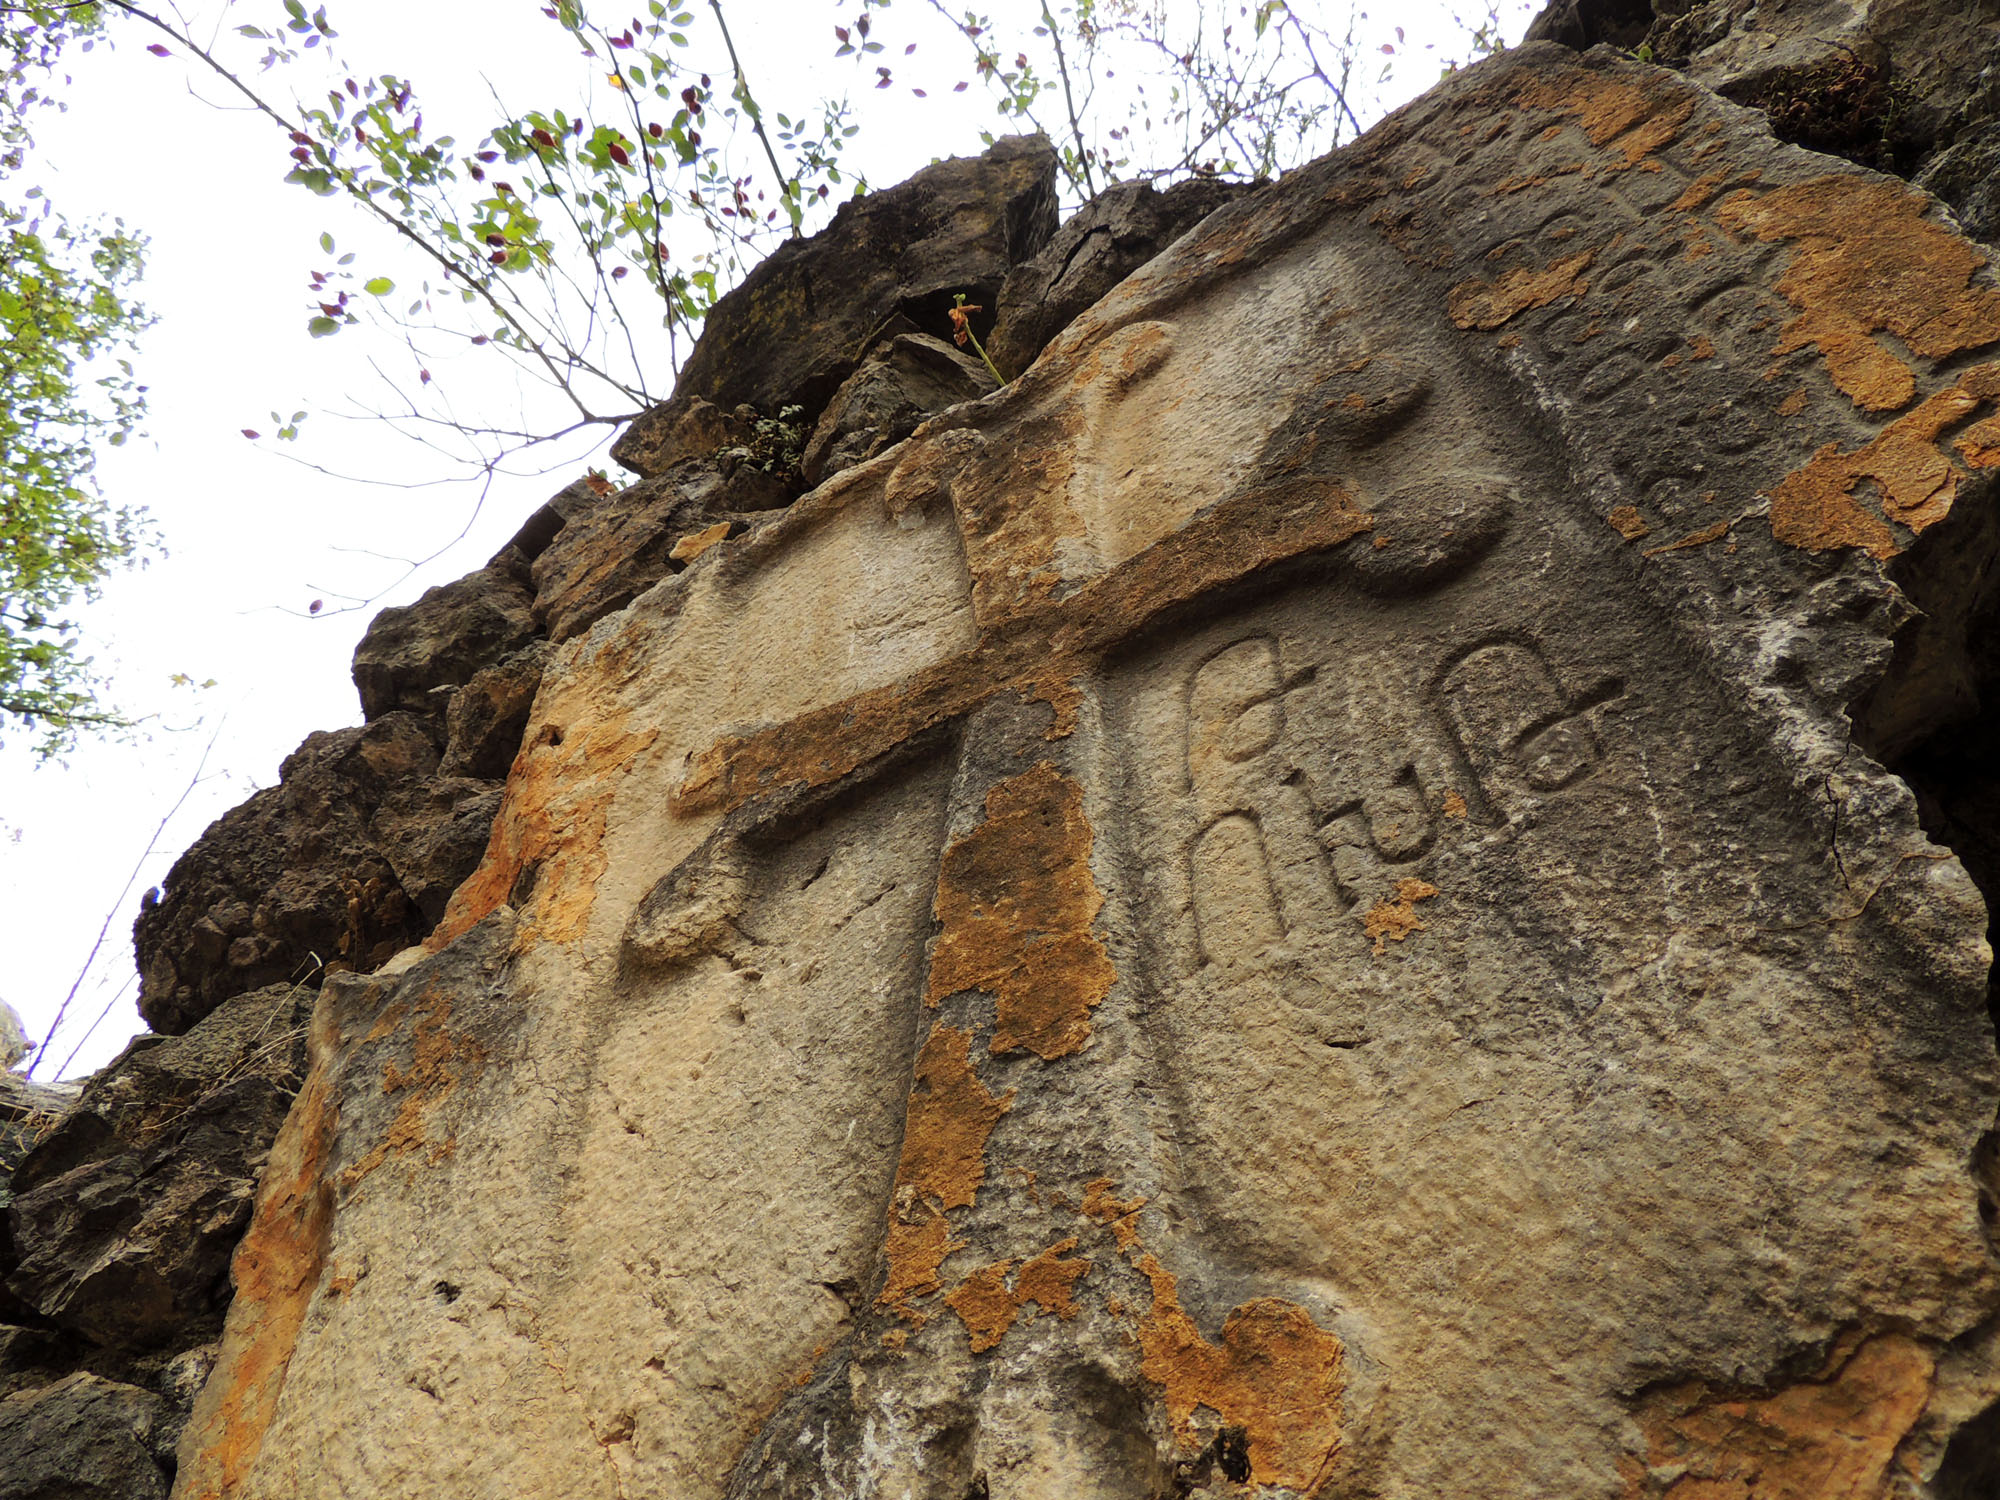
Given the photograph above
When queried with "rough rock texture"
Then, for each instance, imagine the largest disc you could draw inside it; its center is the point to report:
(1301, 903)
(1905, 86)
(442, 640)
(292, 882)
(125, 1213)
(1097, 247)
(85, 1439)
(615, 548)
(804, 318)
(904, 379)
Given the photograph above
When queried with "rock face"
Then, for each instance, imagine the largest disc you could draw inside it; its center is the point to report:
(804, 319)
(1097, 247)
(1304, 902)
(1905, 86)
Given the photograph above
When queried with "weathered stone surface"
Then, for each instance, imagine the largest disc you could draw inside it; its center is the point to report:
(125, 1213)
(84, 1438)
(290, 882)
(804, 317)
(484, 723)
(616, 548)
(1967, 176)
(1301, 903)
(442, 640)
(680, 428)
(906, 378)
(1097, 247)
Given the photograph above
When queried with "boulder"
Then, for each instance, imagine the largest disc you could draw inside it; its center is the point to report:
(126, 1211)
(620, 545)
(1326, 895)
(484, 722)
(904, 379)
(1097, 247)
(85, 1438)
(805, 316)
(410, 651)
(290, 883)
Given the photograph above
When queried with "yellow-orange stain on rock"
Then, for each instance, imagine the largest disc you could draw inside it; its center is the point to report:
(1391, 921)
(1626, 520)
(1489, 304)
(1906, 468)
(1868, 262)
(275, 1271)
(440, 1063)
(988, 1306)
(951, 1115)
(1833, 1438)
(1121, 1217)
(691, 546)
(1276, 1374)
(1016, 901)
(1638, 115)
(549, 836)
(1454, 802)
(1701, 538)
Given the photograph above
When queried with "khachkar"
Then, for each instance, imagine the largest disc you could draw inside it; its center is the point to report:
(1289, 905)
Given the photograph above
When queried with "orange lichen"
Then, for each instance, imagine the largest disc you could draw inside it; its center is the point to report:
(1393, 921)
(989, 1307)
(1836, 1435)
(1909, 472)
(1979, 444)
(1699, 538)
(275, 1271)
(951, 1115)
(1276, 1374)
(1793, 404)
(1016, 900)
(1638, 115)
(691, 546)
(1628, 523)
(1869, 261)
(551, 823)
(1488, 305)
(440, 1063)
(1454, 805)
(1121, 1218)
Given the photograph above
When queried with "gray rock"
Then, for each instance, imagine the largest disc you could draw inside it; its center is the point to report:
(84, 1438)
(1097, 247)
(904, 379)
(290, 883)
(484, 722)
(1967, 176)
(618, 546)
(442, 640)
(804, 317)
(125, 1213)
(14, 1043)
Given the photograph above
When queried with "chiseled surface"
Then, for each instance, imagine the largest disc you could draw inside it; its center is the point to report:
(1287, 906)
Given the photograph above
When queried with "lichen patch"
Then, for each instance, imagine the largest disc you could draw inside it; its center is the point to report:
(989, 1306)
(1392, 921)
(1276, 1374)
(1016, 901)
(1868, 261)
(1906, 469)
(951, 1116)
(1835, 1435)
(1490, 304)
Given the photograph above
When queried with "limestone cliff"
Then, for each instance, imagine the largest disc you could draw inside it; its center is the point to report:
(1351, 887)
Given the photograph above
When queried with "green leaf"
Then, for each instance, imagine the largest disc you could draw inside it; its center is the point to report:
(379, 286)
(326, 243)
(322, 326)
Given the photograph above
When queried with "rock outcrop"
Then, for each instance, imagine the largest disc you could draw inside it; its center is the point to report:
(1367, 882)
(1320, 863)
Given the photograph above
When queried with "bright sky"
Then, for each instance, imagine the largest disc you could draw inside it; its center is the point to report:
(253, 535)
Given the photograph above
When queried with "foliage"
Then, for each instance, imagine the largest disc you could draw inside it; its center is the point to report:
(64, 389)
(584, 238)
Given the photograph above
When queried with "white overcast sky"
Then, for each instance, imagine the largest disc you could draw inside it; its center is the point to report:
(252, 536)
